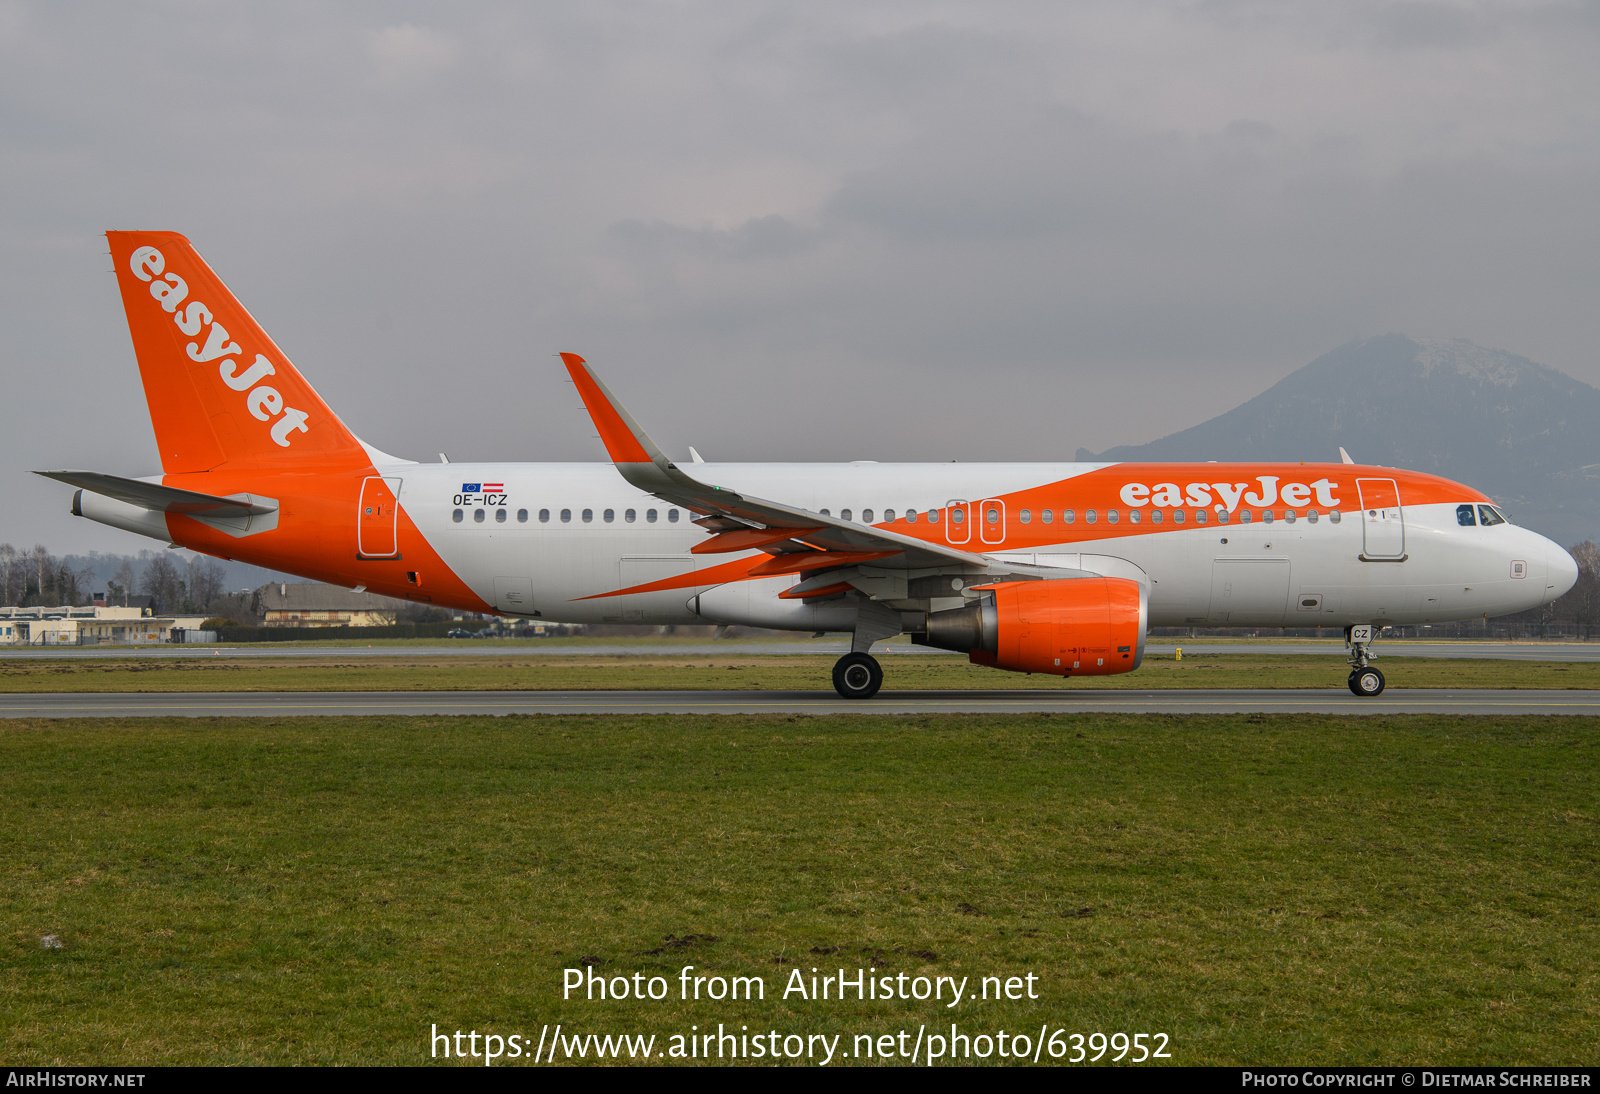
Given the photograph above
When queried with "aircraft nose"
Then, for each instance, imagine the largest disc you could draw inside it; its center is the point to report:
(1561, 571)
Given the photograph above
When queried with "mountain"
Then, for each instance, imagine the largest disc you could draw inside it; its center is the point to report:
(1525, 434)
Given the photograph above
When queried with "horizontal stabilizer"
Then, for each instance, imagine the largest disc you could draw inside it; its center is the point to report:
(164, 499)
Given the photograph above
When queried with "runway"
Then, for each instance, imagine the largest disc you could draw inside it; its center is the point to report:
(1497, 651)
(1265, 701)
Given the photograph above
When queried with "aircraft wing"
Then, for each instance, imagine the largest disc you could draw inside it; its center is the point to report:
(163, 499)
(800, 541)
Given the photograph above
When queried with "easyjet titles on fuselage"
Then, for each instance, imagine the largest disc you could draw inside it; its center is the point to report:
(1169, 495)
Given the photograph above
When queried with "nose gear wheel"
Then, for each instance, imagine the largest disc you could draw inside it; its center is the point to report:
(1366, 682)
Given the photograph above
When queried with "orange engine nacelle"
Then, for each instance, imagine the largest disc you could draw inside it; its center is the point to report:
(1089, 626)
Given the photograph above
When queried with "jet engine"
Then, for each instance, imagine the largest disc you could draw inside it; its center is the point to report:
(1089, 626)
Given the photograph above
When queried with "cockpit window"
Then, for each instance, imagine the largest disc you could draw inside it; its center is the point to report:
(1488, 514)
(1464, 516)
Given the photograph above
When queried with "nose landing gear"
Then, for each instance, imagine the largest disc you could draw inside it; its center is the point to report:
(1365, 680)
(857, 676)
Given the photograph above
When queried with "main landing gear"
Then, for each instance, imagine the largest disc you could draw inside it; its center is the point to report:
(1365, 680)
(857, 676)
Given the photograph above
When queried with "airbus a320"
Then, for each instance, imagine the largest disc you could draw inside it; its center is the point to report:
(1054, 568)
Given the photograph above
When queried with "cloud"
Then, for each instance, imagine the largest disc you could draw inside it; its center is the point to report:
(410, 49)
(956, 230)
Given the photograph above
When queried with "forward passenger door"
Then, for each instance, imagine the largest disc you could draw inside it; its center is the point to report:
(1383, 526)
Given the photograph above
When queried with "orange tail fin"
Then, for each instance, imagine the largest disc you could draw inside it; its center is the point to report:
(220, 392)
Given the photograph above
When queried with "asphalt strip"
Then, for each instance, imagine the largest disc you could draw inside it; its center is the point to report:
(368, 703)
(1470, 650)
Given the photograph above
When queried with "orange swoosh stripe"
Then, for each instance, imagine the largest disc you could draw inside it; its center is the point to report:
(714, 575)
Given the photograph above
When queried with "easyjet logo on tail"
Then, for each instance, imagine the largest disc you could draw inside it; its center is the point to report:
(1169, 495)
(262, 401)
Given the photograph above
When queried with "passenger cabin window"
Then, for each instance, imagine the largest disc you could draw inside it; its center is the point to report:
(1046, 515)
(1311, 515)
(1489, 515)
(566, 516)
(1155, 516)
(992, 516)
(958, 516)
(933, 516)
(672, 516)
(630, 516)
(1112, 516)
(649, 516)
(522, 516)
(500, 516)
(911, 516)
(888, 516)
(1266, 516)
(1244, 516)
(1177, 516)
(477, 515)
(1025, 516)
(544, 516)
(1199, 516)
(457, 516)
(866, 516)
(1333, 516)
(1068, 516)
(1133, 516)
(588, 515)
(1222, 516)
(844, 514)
(1288, 515)
(610, 515)
(825, 513)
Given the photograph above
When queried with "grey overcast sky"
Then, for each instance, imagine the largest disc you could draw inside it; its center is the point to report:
(817, 231)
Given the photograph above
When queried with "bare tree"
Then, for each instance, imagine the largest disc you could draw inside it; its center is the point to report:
(161, 582)
(42, 565)
(1582, 603)
(206, 580)
(124, 579)
(10, 594)
(67, 584)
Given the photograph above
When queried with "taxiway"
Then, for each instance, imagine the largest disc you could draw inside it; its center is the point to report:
(367, 703)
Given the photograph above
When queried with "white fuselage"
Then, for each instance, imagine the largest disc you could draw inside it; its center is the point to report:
(577, 532)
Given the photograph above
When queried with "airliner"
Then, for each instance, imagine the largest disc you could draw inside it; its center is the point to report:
(1050, 568)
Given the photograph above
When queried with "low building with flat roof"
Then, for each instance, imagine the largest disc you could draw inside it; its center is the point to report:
(309, 604)
(81, 626)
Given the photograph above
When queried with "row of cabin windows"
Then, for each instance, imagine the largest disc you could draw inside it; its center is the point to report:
(629, 516)
(1158, 516)
(1046, 516)
(1093, 516)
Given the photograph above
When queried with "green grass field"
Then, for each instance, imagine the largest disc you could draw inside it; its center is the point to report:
(745, 671)
(1288, 890)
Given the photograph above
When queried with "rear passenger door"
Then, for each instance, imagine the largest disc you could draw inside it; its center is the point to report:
(376, 517)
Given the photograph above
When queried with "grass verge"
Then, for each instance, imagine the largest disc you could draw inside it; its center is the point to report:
(746, 672)
(1269, 890)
